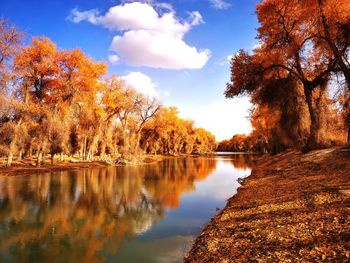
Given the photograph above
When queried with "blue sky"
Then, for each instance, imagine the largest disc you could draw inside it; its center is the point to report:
(175, 50)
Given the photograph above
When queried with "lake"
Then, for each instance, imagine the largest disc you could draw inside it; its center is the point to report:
(146, 213)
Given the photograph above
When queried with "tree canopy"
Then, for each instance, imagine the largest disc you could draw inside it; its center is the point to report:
(57, 101)
(303, 47)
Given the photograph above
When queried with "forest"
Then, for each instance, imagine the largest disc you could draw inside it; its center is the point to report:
(298, 77)
(57, 102)
(93, 169)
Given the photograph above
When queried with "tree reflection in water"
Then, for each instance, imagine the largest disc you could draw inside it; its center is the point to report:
(70, 216)
(242, 161)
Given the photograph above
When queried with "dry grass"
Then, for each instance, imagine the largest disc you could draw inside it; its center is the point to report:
(28, 165)
(293, 208)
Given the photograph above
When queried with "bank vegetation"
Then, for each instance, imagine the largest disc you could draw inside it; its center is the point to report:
(57, 102)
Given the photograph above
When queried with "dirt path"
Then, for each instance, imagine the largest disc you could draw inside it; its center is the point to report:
(293, 208)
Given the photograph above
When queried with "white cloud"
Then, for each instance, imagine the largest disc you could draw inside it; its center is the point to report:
(161, 6)
(77, 16)
(161, 50)
(142, 83)
(147, 36)
(223, 118)
(196, 18)
(114, 59)
(220, 4)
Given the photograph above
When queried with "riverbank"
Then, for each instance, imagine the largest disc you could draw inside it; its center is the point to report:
(28, 165)
(293, 207)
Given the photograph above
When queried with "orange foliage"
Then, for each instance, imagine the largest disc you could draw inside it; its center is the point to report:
(61, 104)
(302, 44)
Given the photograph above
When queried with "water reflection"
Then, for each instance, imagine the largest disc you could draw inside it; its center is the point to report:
(82, 215)
(241, 161)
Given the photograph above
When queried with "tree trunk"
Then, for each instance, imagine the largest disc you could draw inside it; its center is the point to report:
(138, 139)
(39, 158)
(126, 145)
(84, 148)
(315, 103)
(9, 159)
(30, 151)
(321, 120)
(103, 150)
(52, 158)
(13, 143)
(93, 146)
(26, 95)
(20, 155)
(312, 138)
(90, 156)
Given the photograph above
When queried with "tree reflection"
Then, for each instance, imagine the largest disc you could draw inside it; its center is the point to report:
(241, 161)
(73, 216)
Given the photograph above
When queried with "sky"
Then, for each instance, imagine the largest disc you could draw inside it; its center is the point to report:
(177, 51)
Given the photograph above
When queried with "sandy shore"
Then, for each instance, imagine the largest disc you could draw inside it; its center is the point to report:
(28, 165)
(292, 208)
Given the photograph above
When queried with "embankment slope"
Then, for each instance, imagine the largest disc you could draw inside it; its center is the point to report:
(293, 207)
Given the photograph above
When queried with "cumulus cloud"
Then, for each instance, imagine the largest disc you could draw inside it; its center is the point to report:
(161, 51)
(147, 36)
(220, 4)
(223, 118)
(142, 83)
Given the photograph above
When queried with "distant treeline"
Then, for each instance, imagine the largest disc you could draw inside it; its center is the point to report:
(56, 101)
(241, 143)
(298, 77)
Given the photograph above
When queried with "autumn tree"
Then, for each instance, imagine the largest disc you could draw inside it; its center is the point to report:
(329, 30)
(319, 31)
(331, 26)
(146, 109)
(119, 102)
(204, 141)
(279, 112)
(289, 49)
(167, 133)
(10, 40)
(13, 131)
(11, 125)
(79, 85)
(284, 32)
(60, 103)
(130, 109)
(36, 68)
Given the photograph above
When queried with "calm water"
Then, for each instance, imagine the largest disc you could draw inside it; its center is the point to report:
(147, 213)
